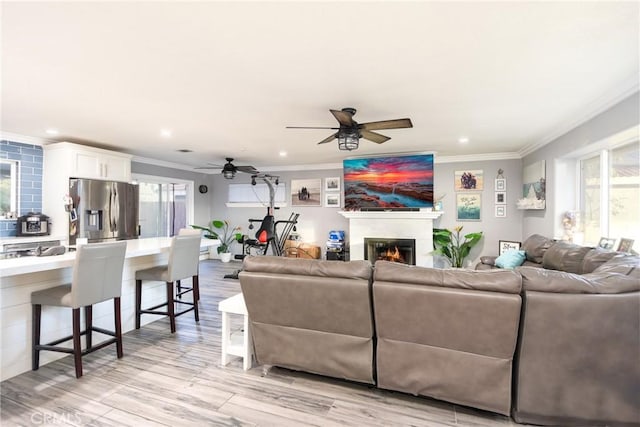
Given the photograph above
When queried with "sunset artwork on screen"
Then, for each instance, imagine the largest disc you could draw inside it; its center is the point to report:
(389, 182)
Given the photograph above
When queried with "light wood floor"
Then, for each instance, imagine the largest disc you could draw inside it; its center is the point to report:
(176, 379)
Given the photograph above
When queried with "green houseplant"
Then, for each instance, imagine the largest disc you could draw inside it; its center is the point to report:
(454, 247)
(220, 229)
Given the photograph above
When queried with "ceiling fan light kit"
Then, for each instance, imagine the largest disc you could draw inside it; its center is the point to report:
(348, 142)
(229, 171)
(350, 131)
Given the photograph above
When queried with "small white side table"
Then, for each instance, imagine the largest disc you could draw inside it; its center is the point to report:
(235, 343)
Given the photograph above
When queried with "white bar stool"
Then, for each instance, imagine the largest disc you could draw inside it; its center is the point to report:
(97, 277)
(184, 257)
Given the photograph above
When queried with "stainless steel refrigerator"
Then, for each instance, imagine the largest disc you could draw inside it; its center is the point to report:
(102, 210)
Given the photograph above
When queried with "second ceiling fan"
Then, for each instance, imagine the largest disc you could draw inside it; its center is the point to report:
(229, 169)
(350, 131)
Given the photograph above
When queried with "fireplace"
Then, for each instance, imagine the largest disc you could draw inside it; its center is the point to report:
(393, 224)
(390, 249)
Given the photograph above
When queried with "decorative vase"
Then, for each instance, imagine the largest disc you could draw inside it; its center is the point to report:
(225, 256)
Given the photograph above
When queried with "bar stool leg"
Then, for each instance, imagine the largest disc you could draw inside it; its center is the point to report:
(196, 287)
(118, 328)
(36, 310)
(196, 295)
(88, 320)
(171, 307)
(179, 289)
(138, 302)
(77, 350)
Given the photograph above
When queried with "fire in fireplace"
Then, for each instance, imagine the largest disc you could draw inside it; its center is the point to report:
(395, 250)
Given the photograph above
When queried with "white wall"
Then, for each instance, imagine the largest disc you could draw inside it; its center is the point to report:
(316, 222)
(618, 118)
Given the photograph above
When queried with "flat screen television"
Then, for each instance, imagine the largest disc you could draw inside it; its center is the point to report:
(389, 182)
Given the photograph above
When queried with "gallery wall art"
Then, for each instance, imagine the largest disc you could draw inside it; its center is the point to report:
(534, 186)
(306, 192)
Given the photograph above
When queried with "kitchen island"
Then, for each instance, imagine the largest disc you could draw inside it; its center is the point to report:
(19, 277)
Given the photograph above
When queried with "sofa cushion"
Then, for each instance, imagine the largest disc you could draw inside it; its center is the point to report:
(535, 246)
(565, 256)
(495, 280)
(308, 267)
(626, 264)
(595, 258)
(510, 259)
(543, 280)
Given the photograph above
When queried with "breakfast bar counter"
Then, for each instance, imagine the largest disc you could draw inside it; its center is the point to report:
(19, 277)
(135, 248)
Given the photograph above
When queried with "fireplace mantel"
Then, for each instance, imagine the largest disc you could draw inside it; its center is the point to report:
(391, 214)
(416, 225)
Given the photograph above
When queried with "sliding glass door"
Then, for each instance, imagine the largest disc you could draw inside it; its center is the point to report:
(165, 207)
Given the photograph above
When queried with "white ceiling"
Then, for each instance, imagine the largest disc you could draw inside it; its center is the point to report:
(227, 77)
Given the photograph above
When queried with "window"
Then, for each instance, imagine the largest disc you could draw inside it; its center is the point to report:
(610, 193)
(8, 187)
(166, 206)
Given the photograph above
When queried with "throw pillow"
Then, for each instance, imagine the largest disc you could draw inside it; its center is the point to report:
(510, 259)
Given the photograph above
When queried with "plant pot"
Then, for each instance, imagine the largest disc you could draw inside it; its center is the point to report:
(225, 256)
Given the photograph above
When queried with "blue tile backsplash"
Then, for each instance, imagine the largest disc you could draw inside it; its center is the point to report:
(30, 185)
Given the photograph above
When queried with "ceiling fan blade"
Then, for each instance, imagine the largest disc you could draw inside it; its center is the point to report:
(208, 167)
(329, 138)
(387, 124)
(343, 117)
(374, 137)
(309, 127)
(248, 169)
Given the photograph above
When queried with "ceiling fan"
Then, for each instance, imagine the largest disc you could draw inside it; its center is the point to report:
(351, 131)
(229, 169)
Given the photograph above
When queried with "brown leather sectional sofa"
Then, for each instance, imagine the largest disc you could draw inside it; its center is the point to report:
(545, 346)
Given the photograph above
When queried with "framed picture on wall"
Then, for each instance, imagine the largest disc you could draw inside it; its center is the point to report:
(501, 211)
(469, 180)
(501, 184)
(331, 200)
(332, 184)
(500, 198)
(468, 206)
(306, 192)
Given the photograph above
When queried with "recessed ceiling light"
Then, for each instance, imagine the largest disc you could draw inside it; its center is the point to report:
(165, 133)
(184, 150)
(52, 131)
(463, 140)
(283, 154)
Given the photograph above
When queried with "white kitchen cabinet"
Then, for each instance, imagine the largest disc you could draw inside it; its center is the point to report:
(66, 160)
(99, 164)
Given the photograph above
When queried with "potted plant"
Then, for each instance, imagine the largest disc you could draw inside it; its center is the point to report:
(449, 244)
(220, 230)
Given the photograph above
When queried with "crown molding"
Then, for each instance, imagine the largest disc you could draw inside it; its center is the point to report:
(171, 165)
(24, 139)
(599, 106)
(477, 157)
(295, 168)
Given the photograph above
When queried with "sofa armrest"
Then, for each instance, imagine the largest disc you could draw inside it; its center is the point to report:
(488, 260)
(486, 263)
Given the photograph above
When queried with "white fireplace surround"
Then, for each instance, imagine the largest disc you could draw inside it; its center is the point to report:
(416, 225)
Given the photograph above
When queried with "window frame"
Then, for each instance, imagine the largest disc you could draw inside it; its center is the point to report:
(602, 151)
(14, 199)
